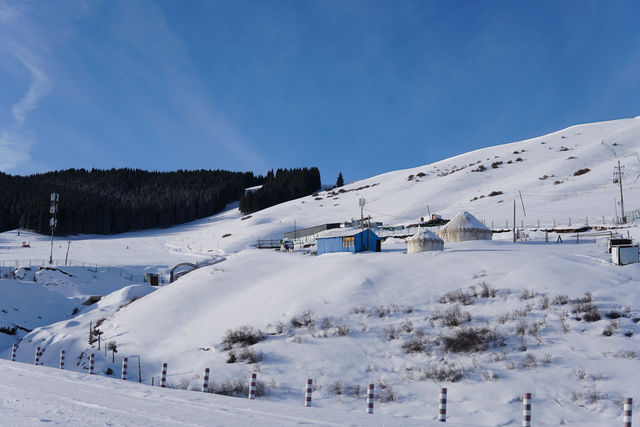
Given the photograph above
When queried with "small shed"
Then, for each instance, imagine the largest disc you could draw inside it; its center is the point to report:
(424, 240)
(347, 240)
(624, 254)
(464, 226)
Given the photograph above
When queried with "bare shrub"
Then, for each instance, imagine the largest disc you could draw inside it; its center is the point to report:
(486, 291)
(588, 397)
(490, 376)
(391, 333)
(385, 393)
(591, 313)
(529, 361)
(527, 294)
(470, 339)
(560, 300)
(247, 355)
(548, 358)
(380, 311)
(585, 299)
(407, 326)
(463, 297)
(416, 344)
(336, 388)
(243, 336)
(445, 371)
(580, 373)
(342, 330)
(361, 309)
(306, 318)
(612, 326)
(613, 314)
(453, 316)
(626, 354)
(543, 302)
(236, 387)
(353, 390)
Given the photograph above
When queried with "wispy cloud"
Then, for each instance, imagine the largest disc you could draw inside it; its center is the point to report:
(20, 44)
(163, 59)
(38, 87)
(14, 149)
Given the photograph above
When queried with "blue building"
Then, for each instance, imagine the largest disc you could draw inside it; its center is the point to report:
(347, 240)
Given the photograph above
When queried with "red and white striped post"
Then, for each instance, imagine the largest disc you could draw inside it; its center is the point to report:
(123, 377)
(307, 393)
(370, 393)
(205, 382)
(626, 415)
(92, 361)
(442, 407)
(252, 386)
(37, 358)
(526, 410)
(61, 359)
(14, 349)
(163, 378)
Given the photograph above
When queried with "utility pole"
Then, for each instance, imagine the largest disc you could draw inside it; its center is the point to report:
(617, 177)
(362, 202)
(514, 220)
(53, 221)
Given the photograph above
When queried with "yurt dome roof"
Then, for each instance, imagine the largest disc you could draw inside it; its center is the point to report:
(464, 221)
(424, 235)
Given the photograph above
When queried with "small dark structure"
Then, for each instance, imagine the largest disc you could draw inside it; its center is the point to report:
(348, 240)
(619, 242)
(92, 300)
(173, 275)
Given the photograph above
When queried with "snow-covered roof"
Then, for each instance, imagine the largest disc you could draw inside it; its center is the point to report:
(424, 235)
(464, 221)
(339, 232)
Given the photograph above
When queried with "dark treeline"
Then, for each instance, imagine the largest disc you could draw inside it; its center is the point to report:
(117, 200)
(286, 184)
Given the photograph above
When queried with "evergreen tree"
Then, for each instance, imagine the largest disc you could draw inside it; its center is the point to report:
(340, 180)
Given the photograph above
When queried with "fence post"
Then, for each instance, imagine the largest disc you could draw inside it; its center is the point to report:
(92, 360)
(526, 410)
(14, 348)
(61, 359)
(442, 408)
(37, 358)
(123, 377)
(163, 378)
(205, 384)
(370, 395)
(626, 415)
(307, 393)
(252, 386)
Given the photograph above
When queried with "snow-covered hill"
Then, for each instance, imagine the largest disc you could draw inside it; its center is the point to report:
(527, 310)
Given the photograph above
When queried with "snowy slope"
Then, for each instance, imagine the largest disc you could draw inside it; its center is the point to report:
(447, 187)
(32, 397)
(363, 310)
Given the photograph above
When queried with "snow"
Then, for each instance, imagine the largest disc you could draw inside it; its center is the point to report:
(362, 308)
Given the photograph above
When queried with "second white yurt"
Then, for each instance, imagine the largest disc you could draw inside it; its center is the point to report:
(464, 226)
(424, 240)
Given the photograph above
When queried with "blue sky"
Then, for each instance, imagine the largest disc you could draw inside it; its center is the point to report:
(362, 87)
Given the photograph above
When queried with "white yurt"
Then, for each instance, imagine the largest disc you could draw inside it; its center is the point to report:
(424, 240)
(464, 226)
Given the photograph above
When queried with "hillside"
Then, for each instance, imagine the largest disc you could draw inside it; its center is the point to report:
(490, 320)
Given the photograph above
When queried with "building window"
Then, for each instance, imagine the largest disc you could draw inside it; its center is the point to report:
(348, 242)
